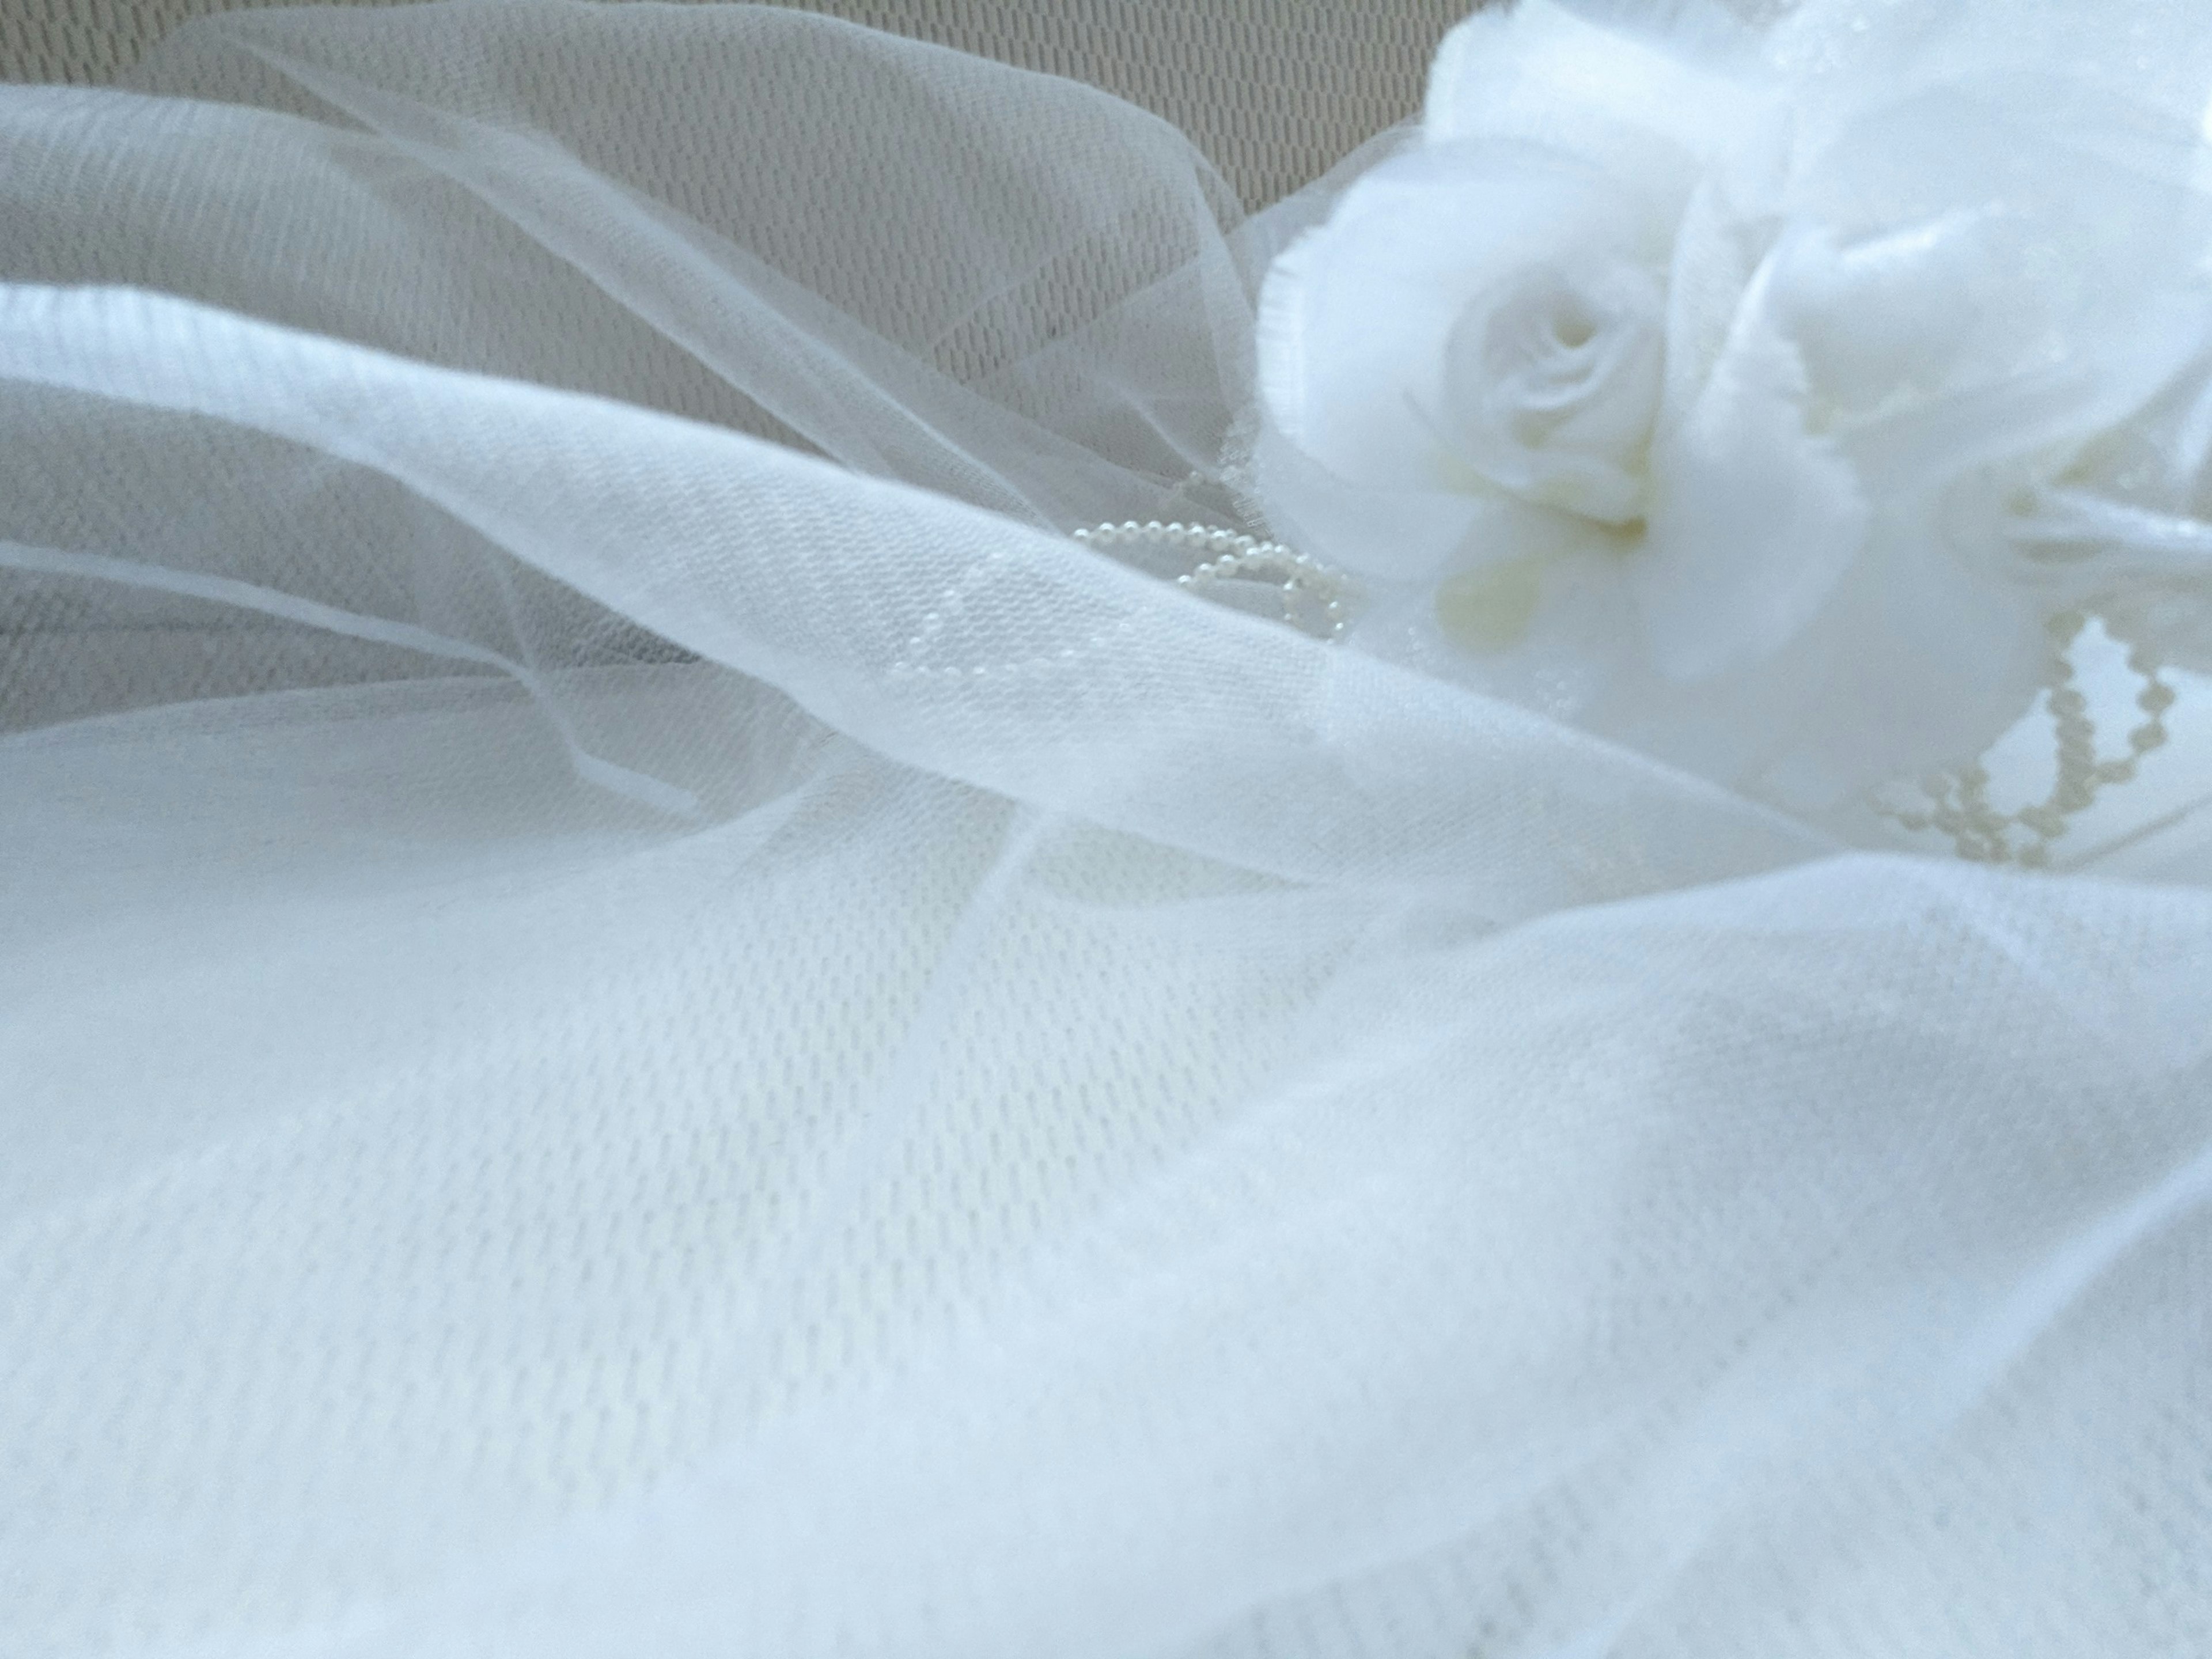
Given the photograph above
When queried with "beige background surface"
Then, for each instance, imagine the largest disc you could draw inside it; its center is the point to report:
(1274, 90)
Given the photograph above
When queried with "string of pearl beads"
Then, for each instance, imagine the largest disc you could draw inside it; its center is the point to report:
(1314, 598)
(1957, 804)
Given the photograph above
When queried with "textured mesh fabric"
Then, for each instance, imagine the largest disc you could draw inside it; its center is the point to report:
(1275, 91)
(640, 1013)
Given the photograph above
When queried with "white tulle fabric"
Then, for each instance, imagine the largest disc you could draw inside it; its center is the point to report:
(617, 1037)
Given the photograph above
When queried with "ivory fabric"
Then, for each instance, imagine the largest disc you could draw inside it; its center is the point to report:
(1273, 91)
(621, 1036)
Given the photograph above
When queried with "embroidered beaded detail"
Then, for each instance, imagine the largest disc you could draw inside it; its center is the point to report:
(1313, 599)
(1957, 804)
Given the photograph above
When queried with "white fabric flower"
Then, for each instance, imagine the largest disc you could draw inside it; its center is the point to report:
(1711, 385)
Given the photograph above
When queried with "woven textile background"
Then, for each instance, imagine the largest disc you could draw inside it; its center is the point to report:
(1275, 91)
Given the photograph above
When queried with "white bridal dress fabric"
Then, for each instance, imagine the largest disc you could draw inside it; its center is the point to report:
(641, 1014)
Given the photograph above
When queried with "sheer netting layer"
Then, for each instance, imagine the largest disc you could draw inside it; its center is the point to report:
(641, 1012)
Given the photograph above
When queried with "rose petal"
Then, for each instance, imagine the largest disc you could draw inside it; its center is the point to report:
(1556, 420)
(1916, 665)
(1354, 317)
(1753, 519)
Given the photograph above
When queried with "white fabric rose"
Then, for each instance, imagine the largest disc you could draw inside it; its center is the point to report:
(1751, 395)
(1551, 384)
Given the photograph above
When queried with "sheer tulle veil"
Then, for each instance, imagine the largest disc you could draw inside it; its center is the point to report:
(644, 1010)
